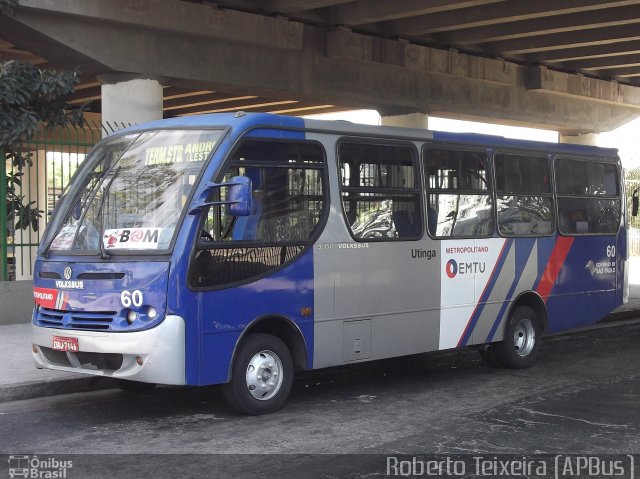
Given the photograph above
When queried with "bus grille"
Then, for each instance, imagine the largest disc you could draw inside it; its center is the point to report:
(93, 321)
(102, 361)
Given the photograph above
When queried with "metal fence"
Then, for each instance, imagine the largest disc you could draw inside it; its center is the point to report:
(54, 155)
(634, 222)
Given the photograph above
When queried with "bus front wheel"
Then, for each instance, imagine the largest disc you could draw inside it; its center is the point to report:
(261, 376)
(519, 348)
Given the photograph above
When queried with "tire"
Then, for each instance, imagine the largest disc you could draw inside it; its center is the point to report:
(261, 376)
(519, 348)
(489, 356)
(134, 386)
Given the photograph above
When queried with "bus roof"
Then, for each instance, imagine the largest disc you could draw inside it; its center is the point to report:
(246, 121)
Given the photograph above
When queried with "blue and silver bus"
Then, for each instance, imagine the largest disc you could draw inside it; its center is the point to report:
(237, 249)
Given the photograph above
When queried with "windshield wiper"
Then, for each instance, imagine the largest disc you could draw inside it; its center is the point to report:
(105, 192)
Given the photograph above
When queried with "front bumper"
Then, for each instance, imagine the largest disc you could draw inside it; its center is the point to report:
(161, 349)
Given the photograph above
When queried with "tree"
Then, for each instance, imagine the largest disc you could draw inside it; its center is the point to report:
(29, 97)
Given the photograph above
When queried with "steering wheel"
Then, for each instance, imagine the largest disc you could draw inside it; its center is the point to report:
(205, 235)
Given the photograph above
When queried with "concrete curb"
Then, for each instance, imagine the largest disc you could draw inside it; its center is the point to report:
(55, 387)
(610, 321)
(620, 316)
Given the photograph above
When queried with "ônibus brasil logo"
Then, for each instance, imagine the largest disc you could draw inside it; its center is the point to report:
(451, 268)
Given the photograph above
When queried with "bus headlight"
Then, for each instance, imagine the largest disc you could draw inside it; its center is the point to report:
(131, 316)
(152, 313)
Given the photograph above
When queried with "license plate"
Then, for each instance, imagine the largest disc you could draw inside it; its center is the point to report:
(61, 343)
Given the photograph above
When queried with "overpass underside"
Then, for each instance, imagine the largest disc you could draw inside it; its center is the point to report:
(291, 57)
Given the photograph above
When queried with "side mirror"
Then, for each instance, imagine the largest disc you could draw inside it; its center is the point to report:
(238, 197)
(634, 204)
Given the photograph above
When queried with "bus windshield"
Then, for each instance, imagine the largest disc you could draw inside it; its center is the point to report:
(132, 192)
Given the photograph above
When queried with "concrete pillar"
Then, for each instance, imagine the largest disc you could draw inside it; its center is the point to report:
(130, 101)
(590, 139)
(412, 120)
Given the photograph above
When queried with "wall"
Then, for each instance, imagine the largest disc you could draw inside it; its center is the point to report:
(16, 302)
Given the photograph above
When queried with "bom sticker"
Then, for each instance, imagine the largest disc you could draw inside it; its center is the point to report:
(133, 238)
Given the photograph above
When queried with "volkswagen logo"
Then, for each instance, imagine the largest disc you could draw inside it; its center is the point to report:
(67, 272)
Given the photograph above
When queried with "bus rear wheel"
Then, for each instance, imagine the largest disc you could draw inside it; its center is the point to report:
(519, 348)
(261, 376)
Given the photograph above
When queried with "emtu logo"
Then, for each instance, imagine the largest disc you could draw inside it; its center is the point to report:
(451, 268)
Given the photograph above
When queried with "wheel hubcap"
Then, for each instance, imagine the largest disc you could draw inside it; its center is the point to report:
(264, 375)
(524, 337)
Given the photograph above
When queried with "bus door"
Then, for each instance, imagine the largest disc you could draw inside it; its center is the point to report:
(461, 214)
(250, 267)
(385, 271)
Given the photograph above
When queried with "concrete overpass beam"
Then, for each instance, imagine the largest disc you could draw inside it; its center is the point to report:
(198, 46)
(177, 17)
(542, 79)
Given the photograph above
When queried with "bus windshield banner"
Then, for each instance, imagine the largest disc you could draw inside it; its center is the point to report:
(131, 238)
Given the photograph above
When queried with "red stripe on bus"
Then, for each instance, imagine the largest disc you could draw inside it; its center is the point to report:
(480, 299)
(554, 265)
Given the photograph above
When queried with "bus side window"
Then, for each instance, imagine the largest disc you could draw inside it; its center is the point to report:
(459, 196)
(380, 191)
(588, 196)
(524, 197)
(288, 204)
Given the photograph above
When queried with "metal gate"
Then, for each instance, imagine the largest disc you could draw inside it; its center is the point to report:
(54, 154)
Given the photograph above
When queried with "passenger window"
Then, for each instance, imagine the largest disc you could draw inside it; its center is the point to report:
(380, 191)
(288, 204)
(586, 178)
(287, 194)
(524, 201)
(459, 199)
(588, 197)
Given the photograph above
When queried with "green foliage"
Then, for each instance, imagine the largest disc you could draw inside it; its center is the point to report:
(29, 97)
(633, 174)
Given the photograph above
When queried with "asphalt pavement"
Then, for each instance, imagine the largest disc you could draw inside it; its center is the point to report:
(581, 397)
(19, 378)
